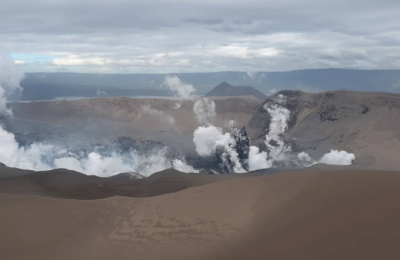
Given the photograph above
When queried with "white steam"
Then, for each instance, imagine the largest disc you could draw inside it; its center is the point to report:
(277, 150)
(101, 93)
(181, 165)
(305, 159)
(3, 103)
(10, 79)
(147, 110)
(38, 156)
(204, 110)
(206, 139)
(335, 157)
(180, 89)
(280, 115)
(210, 140)
(281, 152)
(258, 160)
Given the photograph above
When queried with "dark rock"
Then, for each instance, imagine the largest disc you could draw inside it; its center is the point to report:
(243, 147)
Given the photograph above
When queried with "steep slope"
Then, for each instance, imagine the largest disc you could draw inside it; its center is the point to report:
(303, 215)
(225, 89)
(367, 124)
(62, 183)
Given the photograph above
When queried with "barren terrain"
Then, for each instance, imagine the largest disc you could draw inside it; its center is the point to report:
(312, 214)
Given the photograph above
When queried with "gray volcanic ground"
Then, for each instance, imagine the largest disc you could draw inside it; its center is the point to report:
(157, 131)
(366, 124)
(146, 119)
(312, 214)
(291, 129)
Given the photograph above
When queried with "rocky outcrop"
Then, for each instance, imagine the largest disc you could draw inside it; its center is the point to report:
(243, 147)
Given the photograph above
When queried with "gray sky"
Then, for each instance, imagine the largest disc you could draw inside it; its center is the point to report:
(162, 36)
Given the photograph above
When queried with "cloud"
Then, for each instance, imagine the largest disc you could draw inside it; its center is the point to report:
(243, 52)
(134, 36)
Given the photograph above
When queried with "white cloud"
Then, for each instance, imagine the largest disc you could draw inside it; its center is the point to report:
(244, 52)
(128, 36)
(19, 61)
(75, 60)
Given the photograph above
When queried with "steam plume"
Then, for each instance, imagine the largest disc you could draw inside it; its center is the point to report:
(39, 156)
(160, 115)
(204, 110)
(280, 115)
(335, 157)
(210, 140)
(10, 79)
(180, 89)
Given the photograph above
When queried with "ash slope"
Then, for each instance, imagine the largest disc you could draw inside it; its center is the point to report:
(302, 215)
(62, 183)
(366, 124)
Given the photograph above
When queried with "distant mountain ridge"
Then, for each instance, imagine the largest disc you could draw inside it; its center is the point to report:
(39, 86)
(226, 89)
